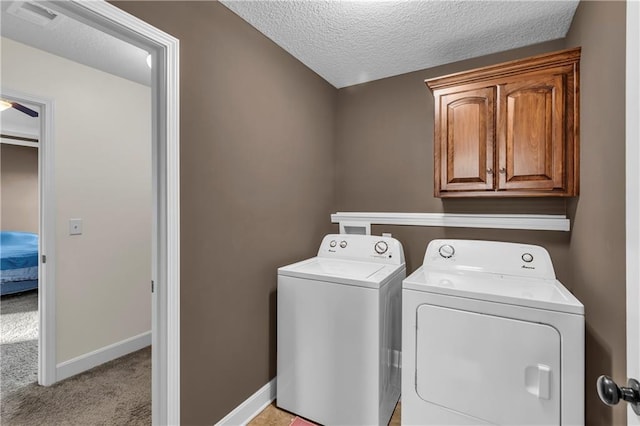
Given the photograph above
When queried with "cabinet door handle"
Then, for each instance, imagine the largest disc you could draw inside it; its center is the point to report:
(489, 171)
(503, 170)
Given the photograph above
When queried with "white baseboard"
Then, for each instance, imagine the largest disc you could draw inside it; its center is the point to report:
(89, 360)
(251, 407)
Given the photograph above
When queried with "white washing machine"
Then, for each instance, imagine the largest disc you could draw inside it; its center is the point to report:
(339, 331)
(490, 337)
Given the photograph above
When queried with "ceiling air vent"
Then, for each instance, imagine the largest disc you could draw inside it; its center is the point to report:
(34, 13)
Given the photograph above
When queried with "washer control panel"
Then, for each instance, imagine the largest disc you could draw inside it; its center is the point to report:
(362, 247)
(489, 256)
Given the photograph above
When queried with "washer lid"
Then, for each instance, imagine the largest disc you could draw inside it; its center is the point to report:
(340, 271)
(547, 294)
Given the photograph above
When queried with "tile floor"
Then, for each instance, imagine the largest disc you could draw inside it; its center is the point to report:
(273, 416)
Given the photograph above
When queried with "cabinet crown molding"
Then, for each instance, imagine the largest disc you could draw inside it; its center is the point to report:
(506, 69)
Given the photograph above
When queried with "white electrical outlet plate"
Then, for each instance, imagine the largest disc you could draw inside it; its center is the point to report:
(75, 226)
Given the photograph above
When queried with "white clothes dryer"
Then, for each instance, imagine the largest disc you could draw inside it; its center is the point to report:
(490, 336)
(339, 331)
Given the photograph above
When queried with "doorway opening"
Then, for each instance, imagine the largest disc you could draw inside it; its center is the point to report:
(19, 235)
(163, 50)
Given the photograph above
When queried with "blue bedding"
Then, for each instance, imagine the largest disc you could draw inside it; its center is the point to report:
(18, 261)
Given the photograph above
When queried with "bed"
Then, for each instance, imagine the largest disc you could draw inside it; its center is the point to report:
(18, 262)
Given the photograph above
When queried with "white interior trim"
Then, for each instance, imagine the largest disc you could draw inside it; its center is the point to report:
(47, 270)
(6, 141)
(7, 137)
(495, 221)
(92, 359)
(251, 407)
(164, 50)
(633, 197)
(46, 241)
(46, 232)
(18, 133)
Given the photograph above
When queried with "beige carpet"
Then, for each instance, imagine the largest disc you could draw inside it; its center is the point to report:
(115, 393)
(18, 341)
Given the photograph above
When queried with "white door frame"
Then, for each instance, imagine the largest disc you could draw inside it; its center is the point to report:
(632, 156)
(165, 350)
(46, 232)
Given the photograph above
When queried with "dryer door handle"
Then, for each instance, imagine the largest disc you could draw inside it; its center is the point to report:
(537, 380)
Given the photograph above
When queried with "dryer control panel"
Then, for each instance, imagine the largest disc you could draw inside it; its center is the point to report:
(365, 248)
(495, 257)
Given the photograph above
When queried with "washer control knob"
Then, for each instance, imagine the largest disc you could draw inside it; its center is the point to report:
(381, 247)
(446, 251)
(343, 243)
(333, 243)
(527, 257)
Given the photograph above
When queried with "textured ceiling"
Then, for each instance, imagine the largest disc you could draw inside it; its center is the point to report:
(352, 42)
(345, 42)
(78, 42)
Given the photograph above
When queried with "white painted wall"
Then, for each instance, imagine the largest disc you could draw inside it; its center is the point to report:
(102, 175)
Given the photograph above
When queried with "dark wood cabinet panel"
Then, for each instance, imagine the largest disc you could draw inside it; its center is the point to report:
(465, 152)
(508, 130)
(531, 134)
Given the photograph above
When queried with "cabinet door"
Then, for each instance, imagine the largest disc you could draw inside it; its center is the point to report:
(464, 140)
(531, 134)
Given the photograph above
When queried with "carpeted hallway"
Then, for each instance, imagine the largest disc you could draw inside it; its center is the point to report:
(18, 342)
(115, 393)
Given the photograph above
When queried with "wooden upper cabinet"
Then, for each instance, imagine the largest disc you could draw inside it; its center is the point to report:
(531, 134)
(509, 130)
(466, 131)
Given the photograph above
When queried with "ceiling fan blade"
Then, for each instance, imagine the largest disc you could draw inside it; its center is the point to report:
(24, 109)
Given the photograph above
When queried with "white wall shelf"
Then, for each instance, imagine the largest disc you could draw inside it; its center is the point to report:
(536, 222)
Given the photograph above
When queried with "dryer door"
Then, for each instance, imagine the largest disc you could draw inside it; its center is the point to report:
(500, 370)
